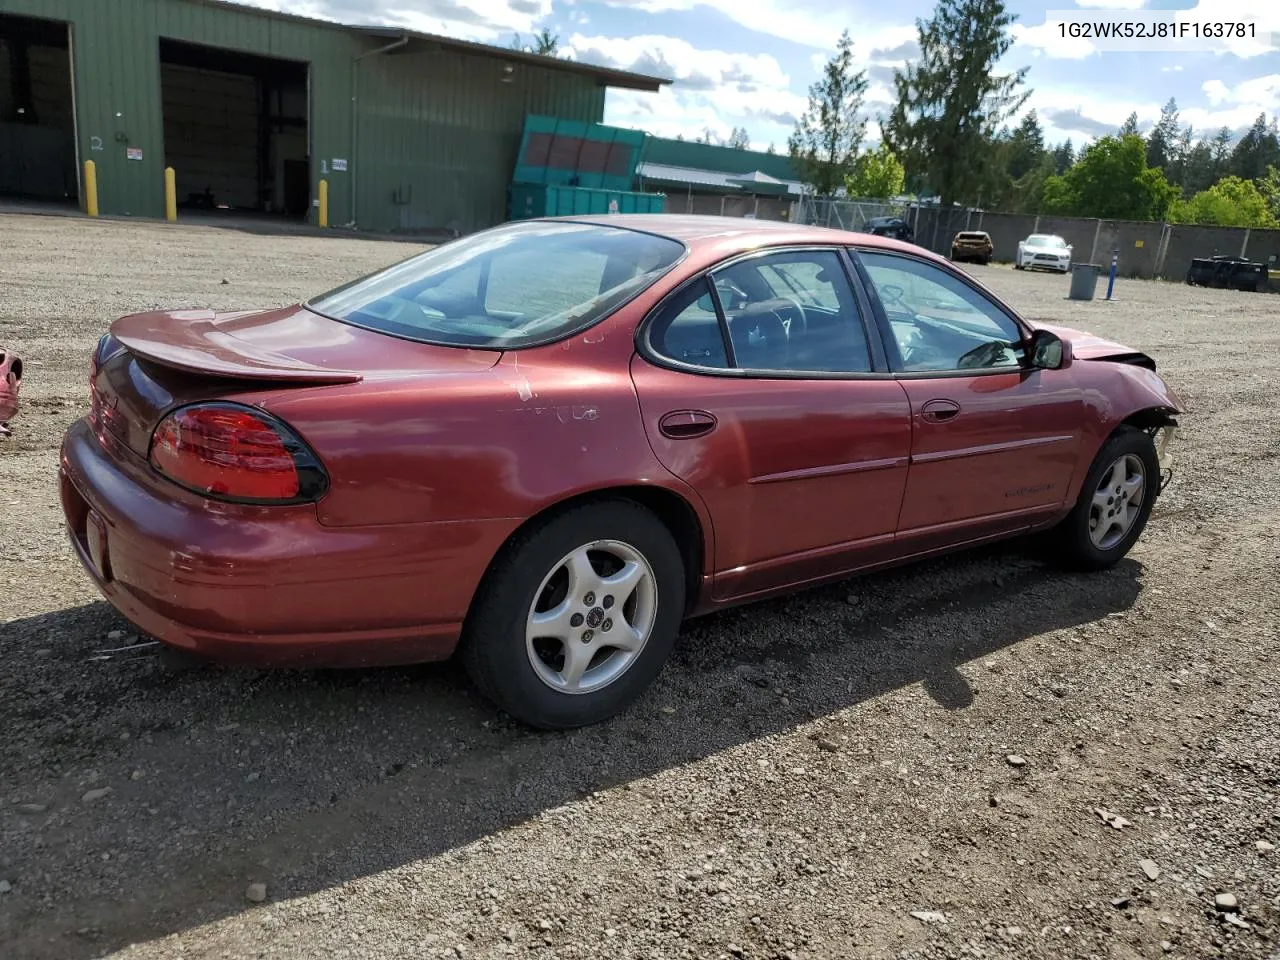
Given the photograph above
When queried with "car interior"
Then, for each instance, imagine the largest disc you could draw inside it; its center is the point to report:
(785, 313)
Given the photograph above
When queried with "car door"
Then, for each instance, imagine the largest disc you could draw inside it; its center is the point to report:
(994, 443)
(764, 387)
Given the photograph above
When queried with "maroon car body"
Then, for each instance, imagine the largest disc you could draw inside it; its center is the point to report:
(431, 458)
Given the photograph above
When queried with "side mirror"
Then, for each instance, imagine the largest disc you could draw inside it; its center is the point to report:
(1047, 351)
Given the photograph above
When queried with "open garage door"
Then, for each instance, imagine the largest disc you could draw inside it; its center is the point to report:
(37, 112)
(235, 130)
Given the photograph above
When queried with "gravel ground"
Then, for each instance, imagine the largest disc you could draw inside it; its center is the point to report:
(971, 757)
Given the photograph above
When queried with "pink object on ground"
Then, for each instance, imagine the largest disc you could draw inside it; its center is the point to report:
(10, 378)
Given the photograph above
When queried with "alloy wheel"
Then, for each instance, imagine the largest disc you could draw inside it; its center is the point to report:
(591, 617)
(1117, 501)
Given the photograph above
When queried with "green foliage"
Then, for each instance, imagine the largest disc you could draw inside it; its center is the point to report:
(1231, 202)
(739, 139)
(876, 174)
(827, 136)
(1257, 150)
(1162, 142)
(1111, 180)
(950, 101)
(1064, 155)
(1269, 187)
(1130, 126)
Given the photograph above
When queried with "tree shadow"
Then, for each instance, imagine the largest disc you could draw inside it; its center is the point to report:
(306, 780)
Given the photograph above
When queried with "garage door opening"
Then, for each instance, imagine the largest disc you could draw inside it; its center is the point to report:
(37, 111)
(235, 130)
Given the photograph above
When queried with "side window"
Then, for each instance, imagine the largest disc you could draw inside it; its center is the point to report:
(793, 312)
(939, 322)
(688, 329)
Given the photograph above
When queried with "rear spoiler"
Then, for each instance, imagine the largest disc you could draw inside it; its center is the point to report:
(190, 340)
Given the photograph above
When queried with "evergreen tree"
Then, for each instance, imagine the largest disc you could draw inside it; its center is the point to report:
(1198, 168)
(739, 139)
(950, 101)
(1162, 142)
(1064, 155)
(1257, 150)
(1130, 127)
(1026, 147)
(828, 135)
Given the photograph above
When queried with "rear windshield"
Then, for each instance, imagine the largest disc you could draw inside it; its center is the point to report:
(510, 287)
(971, 236)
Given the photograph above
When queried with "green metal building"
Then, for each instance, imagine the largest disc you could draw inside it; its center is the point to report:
(253, 109)
(711, 179)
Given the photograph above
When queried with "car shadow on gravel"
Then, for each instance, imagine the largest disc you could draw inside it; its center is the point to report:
(304, 780)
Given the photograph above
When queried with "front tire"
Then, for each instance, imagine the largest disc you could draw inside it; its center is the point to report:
(577, 616)
(1114, 503)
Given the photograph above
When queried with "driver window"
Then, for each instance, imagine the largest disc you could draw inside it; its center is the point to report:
(794, 312)
(938, 321)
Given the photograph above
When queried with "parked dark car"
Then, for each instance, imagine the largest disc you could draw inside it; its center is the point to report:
(894, 227)
(973, 245)
(547, 444)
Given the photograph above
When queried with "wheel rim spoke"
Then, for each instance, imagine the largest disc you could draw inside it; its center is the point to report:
(623, 584)
(552, 623)
(583, 578)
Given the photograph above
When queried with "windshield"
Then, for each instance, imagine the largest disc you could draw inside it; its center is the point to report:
(1040, 240)
(971, 236)
(513, 286)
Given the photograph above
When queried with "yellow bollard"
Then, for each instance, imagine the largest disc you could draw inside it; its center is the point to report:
(91, 188)
(324, 203)
(170, 194)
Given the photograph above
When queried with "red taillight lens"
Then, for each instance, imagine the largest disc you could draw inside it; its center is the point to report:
(233, 452)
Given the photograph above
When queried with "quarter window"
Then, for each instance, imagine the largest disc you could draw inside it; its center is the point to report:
(938, 321)
(688, 329)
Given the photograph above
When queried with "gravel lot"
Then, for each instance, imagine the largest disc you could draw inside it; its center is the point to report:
(970, 757)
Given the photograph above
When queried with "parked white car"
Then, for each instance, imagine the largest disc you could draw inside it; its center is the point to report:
(1043, 250)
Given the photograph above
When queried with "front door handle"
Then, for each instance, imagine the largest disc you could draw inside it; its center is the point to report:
(685, 424)
(940, 411)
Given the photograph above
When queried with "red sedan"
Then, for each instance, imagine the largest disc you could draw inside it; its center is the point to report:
(546, 444)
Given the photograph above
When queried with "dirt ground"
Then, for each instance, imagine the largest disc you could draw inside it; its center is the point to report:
(973, 757)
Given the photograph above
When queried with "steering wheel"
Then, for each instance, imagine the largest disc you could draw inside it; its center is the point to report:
(791, 313)
(891, 295)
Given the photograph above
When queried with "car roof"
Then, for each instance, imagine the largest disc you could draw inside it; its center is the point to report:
(731, 232)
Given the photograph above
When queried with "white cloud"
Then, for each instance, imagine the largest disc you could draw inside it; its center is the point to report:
(713, 89)
(482, 20)
(1045, 39)
(1112, 4)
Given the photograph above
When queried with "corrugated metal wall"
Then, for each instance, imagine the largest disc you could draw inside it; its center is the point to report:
(438, 129)
(439, 132)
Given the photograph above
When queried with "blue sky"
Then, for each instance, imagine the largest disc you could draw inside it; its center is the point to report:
(749, 63)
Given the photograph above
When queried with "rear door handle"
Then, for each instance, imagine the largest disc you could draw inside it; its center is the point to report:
(686, 424)
(939, 411)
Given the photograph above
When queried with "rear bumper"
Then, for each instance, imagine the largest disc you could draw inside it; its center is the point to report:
(267, 585)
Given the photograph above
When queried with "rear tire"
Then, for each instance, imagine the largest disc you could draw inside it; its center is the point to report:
(1114, 503)
(540, 638)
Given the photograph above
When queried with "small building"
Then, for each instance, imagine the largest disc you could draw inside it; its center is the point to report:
(709, 179)
(252, 108)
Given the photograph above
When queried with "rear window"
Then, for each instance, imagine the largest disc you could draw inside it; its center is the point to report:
(514, 286)
(971, 236)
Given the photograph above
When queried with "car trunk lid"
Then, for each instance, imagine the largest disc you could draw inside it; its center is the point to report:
(153, 362)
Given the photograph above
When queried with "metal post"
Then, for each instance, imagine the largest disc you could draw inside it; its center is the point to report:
(91, 188)
(1115, 263)
(324, 203)
(170, 194)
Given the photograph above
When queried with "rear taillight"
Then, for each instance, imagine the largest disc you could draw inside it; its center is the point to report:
(234, 452)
